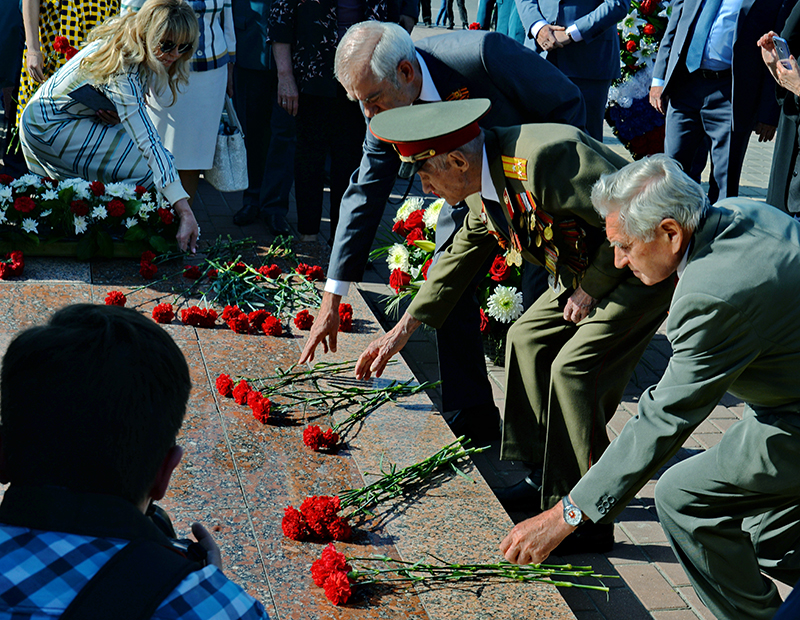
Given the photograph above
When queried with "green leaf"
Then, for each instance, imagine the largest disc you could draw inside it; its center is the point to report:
(86, 246)
(104, 244)
(159, 244)
(135, 233)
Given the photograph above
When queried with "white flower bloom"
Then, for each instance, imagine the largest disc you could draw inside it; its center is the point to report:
(79, 186)
(27, 180)
(99, 212)
(131, 221)
(505, 304)
(631, 24)
(50, 194)
(46, 213)
(126, 191)
(398, 257)
(147, 207)
(431, 215)
(5, 194)
(30, 225)
(408, 207)
(80, 225)
(3, 218)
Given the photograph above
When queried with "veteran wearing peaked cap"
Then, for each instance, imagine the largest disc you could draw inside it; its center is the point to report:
(570, 356)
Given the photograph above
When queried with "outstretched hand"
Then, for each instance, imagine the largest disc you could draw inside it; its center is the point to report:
(325, 328)
(533, 540)
(374, 359)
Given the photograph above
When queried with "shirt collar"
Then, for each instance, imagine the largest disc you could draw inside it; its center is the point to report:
(428, 91)
(488, 191)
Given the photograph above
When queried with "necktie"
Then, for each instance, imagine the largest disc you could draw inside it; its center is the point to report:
(708, 12)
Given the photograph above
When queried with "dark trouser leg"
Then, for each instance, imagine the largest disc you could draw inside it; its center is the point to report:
(254, 108)
(425, 9)
(595, 96)
(313, 124)
(462, 11)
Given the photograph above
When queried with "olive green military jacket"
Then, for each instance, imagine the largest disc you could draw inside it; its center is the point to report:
(543, 174)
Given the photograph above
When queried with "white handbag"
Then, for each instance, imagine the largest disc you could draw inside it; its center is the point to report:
(229, 173)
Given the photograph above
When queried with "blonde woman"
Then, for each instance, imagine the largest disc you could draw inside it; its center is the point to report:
(126, 57)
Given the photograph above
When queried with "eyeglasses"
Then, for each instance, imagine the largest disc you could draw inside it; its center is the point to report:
(167, 47)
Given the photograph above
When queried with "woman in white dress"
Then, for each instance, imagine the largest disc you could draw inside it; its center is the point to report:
(126, 58)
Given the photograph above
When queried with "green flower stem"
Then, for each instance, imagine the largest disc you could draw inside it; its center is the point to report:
(394, 481)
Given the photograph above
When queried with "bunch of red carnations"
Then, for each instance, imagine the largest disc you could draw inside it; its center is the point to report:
(318, 519)
(318, 440)
(243, 394)
(330, 572)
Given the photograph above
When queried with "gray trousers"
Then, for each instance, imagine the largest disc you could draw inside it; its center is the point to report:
(733, 512)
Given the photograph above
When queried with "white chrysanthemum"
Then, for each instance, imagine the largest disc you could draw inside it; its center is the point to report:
(631, 24)
(398, 257)
(79, 186)
(505, 304)
(46, 213)
(27, 180)
(80, 225)
(408, 207)
(99, 212)
(29, 225)
(146, 208)
(431, 215)
(5, 194)
(50, 194)
(3, 218)
(126, 191)
(131, 221)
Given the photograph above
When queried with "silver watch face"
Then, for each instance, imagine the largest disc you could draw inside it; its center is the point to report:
(572, 514)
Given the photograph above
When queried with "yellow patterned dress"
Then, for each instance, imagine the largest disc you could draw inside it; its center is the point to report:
(68, 18)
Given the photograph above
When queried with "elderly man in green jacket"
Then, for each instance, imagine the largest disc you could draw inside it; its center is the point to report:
(570, 356)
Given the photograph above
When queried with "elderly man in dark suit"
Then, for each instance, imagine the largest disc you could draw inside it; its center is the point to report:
(711, 83)
(523, 89)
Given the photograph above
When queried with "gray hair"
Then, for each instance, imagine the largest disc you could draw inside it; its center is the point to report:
(384, 45)
(472, 150)
(646, 192)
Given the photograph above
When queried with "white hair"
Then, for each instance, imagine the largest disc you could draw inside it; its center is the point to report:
(383, 45)
(646, 192)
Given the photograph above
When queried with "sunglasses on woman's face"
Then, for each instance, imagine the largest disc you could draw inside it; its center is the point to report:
(167, 47)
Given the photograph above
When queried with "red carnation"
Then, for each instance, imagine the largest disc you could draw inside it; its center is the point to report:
(399, 279)
(148, 270)
(484, 322)
(500, 269)
(24, 204)
(303, 320)
(272, 326)
(649, 29)
(230, 312)
(239, 324)
(257, 318)
(317, 440)
(399, 228)
(199, 317)
(311, 273)
(70, 52)
(192, 272)
(163, 313)
(6, 179)
(116, 298)
(11, 265)
(302, 269)
(224, 385)
(97, 188)
(116, 208)
(79, 207)
(166, 216)
(329, 562)
(212, 274)
(337, 588)
(339, 529)
(259, 405)
(61, 44)
(140, 191)
(414, 220)
(474, 26)
(415, 234)
(148, 256)
(273, 271)
(293, 524)
(425, 268)
(241, 391)
(631, 46)
(345, 318)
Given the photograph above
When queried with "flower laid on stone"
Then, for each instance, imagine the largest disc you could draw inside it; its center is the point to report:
(192, 272)
(36, 209)
(224, 385)
(318, 440)
(163, 313)
(12, 265)
(243, 394)
(241, 391)
(311, 272)
(345, 318)
(259, 405)
(391, 483)
(147, 268)
(116, 298)
(199, 317)
(338, 574)
(272, 326)
(505, 304)
(303, 320)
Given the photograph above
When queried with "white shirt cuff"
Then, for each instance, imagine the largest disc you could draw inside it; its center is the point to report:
(536, 28)
(657, 82)
(337, 287)
(174, 192)
(574, 33)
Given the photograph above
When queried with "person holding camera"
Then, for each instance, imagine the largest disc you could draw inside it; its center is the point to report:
(91, 406)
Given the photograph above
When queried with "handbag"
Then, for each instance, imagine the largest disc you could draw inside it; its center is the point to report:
(229, 173)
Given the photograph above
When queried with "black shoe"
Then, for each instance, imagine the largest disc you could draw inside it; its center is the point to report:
(277, 224)
(481, 424)
(525, 496)
(450, 27)
(588, 538)
(246, 215)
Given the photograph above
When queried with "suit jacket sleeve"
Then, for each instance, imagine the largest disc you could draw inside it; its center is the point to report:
(455, 269)
(361, 209)
(605, 16)
(712, 345)
(529, 13)
(665, 47)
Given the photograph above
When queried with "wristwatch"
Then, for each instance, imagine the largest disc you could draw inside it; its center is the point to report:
(572, 514)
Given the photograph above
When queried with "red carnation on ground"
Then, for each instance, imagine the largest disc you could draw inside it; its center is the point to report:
(212, 274)
(484, 322)
(329, 562)
(97, 188)
(116, 208)
(24, 204)
(414, 220)
(415, 234)
(148, 256)
(6, 179)
(192, 272)
(116, 298)
(79, 207)
(12, 265)
(166, 216)
(273, 271)
(230, 312)
(241, 391)
(140, 191)
(474, 26)
(239, 324)
(163, 313)
(499, 270)
(257, 318)
(259, 405)
(399, 279)
(224, 385)
(148, 270)
(303, 320)
(294, 525)
(321, 513)
(337, 588)
(425, 268)
(317, 440)
(199, 317)
(312, 273)
(272, 326)
(345, 318)
(631, 46)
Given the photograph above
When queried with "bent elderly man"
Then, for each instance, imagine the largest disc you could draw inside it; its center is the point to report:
(570, 356)
(378, 65)
(732, 512)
